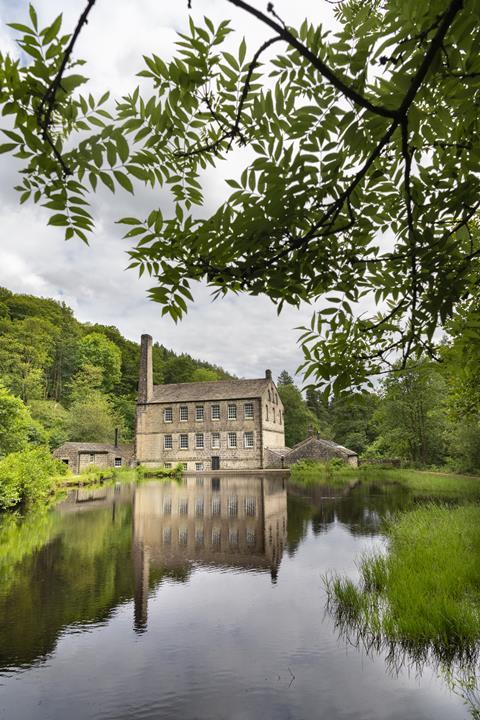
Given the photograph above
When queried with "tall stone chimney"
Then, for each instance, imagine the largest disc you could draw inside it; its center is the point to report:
(268, 374)
(145, 377)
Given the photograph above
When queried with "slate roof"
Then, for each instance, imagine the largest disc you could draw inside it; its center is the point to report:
(325, 443)
(94, 447)
(217, 390)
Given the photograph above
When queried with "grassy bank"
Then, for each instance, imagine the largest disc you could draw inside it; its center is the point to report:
(424, 594)
(428, 483)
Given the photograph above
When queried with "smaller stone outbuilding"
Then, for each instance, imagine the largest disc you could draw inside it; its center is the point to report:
(80, 456)
(315, 448)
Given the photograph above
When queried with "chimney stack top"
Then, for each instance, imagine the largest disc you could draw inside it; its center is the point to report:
(268, 374)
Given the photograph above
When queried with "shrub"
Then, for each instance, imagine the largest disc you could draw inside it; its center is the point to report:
(28, 477)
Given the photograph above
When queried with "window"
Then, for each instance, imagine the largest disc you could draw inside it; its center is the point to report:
(168, 442)
(215, 536)
(183, 506)
(168, 415)
(250, 536)
(215, 440)
(184, 442)
(232, 412)
(274, 415)
(167, 506)
(199, 441)
(248, 439)
(216, 506)
(118, 462)
(66, 461)
(183, 413)
(199, 536)
(215, 484)
(182, 536)
(250, 506)
(233, 536)
(266, 412)
(199, 412)
(232, 440)
(167, 536)
(248, 410)
(185, 466)
(92, 457)
(167, 465)
(215, 412)
(199, 467)
(199, 507)
(232, 506)
(199, 482)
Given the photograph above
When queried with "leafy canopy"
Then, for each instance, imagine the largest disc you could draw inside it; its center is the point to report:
(361, 177)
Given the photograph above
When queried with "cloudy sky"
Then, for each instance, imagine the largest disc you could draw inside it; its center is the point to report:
(242, 334)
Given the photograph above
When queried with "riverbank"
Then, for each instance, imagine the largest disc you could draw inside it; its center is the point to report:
(423, 595)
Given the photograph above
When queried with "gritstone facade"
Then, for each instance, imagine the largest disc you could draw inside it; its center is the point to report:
(222, 425)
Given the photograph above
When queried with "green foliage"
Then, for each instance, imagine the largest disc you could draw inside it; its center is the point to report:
(299, 420)
(204, 375)
(96, 350)
(53, 418)
(15, 423)
(92, 419)
(411, 417)
(28, 477)
(334, 125)
(352, 420)
(424, 594)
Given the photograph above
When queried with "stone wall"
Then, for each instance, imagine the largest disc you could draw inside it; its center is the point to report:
(317, 449)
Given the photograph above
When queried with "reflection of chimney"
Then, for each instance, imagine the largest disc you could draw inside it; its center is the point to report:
(268, 374)
(145, 380)
(141, 571)
(116, 438)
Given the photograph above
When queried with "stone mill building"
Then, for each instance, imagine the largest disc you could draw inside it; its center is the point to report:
(221, 425)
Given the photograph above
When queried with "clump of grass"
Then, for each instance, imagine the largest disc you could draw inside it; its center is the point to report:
(425, 593)
(334, 472)
(160, 471)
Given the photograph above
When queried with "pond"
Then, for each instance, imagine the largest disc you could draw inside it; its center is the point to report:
(198, 599)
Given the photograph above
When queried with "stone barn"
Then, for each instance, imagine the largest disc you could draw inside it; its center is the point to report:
(315, 448)
(79, 456)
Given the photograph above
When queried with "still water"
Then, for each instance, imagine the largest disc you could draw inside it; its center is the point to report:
(197, 600)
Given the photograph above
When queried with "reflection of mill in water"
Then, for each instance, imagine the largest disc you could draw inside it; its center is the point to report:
(228, 521)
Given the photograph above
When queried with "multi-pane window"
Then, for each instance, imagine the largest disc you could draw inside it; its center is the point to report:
(215, 484)
(232, 440)
(199, 535)
(184, 442)
(199, 467)
(248, 409)
(216, 412)
(168, 442)
(185, 466)
(183, 413)
(168, 415)
(248, 439)
(233, 536)
(250, 536)
(250, 506)
(232, 412)
(216, 536)
(232, 506)
(199, 441)
(216, 505)
(183, 506)
(118, 462)
(199, 504)
(167, 506)
(167, 535)
(167, 465)
(199, 412)
(216, 440)
(182, 536)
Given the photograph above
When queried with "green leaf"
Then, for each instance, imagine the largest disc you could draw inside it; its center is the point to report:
(124, 181)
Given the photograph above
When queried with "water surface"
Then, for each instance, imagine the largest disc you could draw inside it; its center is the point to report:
(201, 599)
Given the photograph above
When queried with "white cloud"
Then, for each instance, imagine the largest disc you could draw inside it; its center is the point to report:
(242, 334)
